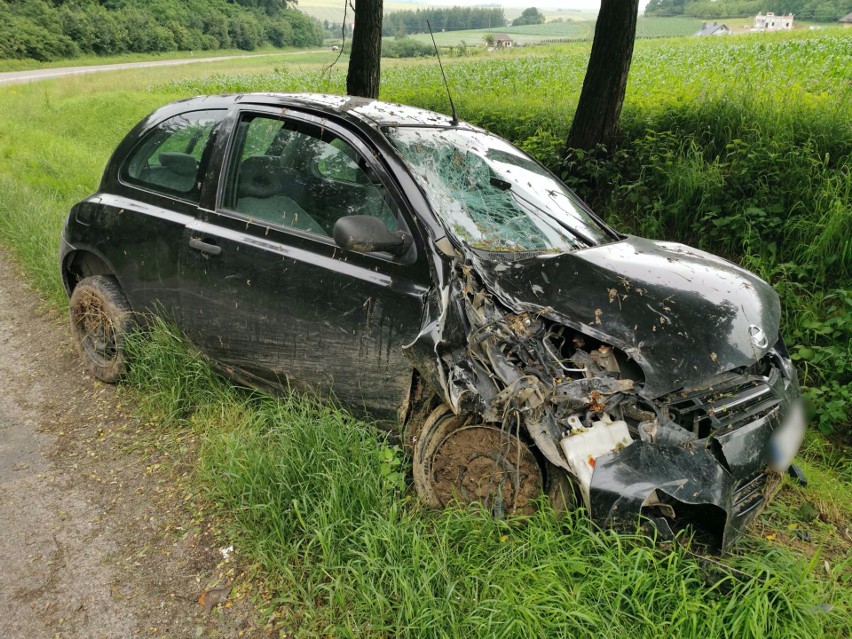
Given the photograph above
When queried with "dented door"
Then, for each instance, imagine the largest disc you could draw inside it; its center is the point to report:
(268, 294)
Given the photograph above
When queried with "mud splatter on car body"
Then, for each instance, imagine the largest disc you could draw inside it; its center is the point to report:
(436, 276)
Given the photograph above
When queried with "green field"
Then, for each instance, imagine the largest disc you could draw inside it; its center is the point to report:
(738, 145)
(568, 29)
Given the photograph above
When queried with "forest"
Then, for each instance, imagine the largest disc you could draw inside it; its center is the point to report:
(55, 29)
(442, 19)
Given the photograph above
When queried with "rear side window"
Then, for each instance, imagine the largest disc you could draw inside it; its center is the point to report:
(169, 158)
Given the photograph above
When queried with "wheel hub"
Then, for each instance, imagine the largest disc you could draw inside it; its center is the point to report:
(482, 464)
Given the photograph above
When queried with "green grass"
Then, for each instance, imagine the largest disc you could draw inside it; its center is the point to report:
(569, 29)
(314, 497)
(91, 60)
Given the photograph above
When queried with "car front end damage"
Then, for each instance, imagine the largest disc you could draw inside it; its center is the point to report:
(651, 374)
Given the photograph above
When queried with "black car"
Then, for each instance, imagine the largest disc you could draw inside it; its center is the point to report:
(435, 277)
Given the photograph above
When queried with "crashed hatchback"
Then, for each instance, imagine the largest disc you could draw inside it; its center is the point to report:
(433, 276)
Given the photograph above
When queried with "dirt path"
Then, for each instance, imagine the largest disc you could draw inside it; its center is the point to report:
(34, 75)
(97, 539)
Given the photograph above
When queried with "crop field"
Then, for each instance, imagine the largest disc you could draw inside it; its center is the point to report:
(741, 146)
(568, 29)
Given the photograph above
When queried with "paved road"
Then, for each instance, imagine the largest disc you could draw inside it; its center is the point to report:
(34, 75)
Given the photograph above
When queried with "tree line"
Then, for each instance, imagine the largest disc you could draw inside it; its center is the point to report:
(56, 29)
(400, 23)
(817, 10)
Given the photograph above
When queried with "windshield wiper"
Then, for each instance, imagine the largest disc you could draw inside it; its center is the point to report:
(504, 185)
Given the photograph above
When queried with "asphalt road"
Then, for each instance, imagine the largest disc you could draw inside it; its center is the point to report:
(34, 75)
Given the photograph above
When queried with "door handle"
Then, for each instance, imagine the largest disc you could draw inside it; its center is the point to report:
(204, 247)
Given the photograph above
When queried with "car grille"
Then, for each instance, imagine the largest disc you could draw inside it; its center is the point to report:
(728, 405)
(751, 494)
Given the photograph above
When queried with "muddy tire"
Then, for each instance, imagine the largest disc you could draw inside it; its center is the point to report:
(455, 461)
(100, 320)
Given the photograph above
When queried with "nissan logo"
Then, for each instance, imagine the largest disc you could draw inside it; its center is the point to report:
(758, 337)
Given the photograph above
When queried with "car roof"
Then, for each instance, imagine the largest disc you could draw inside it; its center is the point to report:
(374, 113)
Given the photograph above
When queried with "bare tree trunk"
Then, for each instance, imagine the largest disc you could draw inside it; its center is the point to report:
(366, 50)
(599, 109)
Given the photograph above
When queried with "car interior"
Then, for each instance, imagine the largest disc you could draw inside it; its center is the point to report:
(304, 178)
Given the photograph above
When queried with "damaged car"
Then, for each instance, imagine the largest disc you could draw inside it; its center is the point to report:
(436, 278)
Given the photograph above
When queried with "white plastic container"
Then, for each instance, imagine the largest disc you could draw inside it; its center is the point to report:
(582, 447)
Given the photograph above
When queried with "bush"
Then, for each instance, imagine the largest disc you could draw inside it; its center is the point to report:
(20, 38)
(245, 31)
(280, 33)
(406, 48)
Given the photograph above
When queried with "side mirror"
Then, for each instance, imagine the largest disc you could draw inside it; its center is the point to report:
(366, 234)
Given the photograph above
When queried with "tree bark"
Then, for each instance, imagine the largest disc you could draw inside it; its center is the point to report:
(365, 53)
(599, 108)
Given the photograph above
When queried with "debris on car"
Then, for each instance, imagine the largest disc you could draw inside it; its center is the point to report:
(436, 276)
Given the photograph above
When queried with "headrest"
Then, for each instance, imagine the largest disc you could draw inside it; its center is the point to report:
(180, 163)
(260, 176)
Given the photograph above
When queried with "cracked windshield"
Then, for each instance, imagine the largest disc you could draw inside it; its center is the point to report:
(492, 197)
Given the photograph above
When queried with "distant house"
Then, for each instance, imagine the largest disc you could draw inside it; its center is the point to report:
(771, 22)
(715, 28)
(502, 41)
(847, 20)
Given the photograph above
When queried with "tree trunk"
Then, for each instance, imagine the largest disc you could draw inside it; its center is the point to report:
(599, 109)
(366, 50)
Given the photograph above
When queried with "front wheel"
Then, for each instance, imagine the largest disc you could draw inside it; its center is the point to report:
(476, 463)
(100, 320)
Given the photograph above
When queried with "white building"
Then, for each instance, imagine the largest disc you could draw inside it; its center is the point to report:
(771, 22)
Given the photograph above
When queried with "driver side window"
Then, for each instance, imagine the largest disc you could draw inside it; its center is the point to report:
(293, 174)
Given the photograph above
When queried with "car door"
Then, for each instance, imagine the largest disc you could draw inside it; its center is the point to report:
(266, 291)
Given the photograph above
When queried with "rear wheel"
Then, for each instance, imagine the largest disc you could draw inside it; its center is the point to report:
(100, 320)
(475, 463)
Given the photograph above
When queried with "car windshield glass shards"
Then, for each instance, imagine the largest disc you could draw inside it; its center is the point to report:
(491, 196)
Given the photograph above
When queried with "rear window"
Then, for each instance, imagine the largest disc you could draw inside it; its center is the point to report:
(169, 157)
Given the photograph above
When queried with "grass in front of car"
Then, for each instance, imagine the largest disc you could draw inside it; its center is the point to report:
(314, 497)
(317, 498)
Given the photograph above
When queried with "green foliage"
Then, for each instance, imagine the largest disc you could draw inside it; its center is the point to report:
(319, 501)
(529, 16)
(442, 19)
(315, 498)
(406, 48)
(42, 30)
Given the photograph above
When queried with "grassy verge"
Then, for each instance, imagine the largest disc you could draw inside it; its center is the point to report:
(88, 60)
(95, 60)
(318, 500)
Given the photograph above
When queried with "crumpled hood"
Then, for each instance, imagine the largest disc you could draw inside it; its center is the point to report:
(682, 314)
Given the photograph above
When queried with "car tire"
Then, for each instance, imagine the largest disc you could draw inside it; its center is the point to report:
(474, 463)
(101, 318)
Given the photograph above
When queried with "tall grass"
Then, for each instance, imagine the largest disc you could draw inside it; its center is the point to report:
(315, 497)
